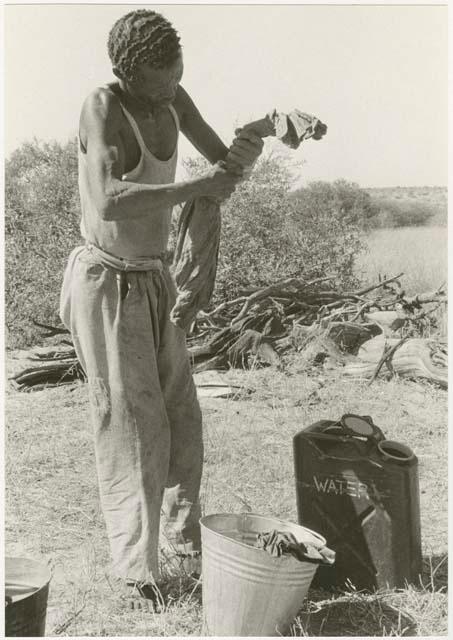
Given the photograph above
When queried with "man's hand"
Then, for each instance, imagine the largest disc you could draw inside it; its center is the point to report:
(220, 183)
(245, 149)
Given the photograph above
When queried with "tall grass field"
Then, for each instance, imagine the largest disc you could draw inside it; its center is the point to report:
(419, 252)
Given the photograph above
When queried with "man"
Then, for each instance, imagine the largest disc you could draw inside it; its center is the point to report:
(117, 292)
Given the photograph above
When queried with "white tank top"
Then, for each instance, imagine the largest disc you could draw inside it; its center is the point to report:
(136, 238)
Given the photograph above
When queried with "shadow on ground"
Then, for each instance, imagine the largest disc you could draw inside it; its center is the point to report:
(370, 614)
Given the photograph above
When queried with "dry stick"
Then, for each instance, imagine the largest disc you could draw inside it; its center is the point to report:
(69, 620)
(207, 320)
(326, 307)
(387, 355)
(53, 355)
(222, 307)
(261, 293)
(342, 311)
(425, 298)
(53, 331)
(381, 284)
(424, 314)
(365, 306)
(318, 280)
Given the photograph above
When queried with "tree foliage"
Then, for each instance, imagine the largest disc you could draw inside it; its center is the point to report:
(271, 232)
(402, 213)
(42, 217)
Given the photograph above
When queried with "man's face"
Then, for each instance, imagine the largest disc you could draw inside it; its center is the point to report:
(156, 87)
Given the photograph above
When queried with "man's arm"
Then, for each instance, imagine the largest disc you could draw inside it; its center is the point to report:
(116, 199)
(245, 149)
(196, 129)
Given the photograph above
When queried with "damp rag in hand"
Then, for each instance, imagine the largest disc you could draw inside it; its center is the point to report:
(278, 543)
(198, 236)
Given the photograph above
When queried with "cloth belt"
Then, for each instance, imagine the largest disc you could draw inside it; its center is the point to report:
(124, 264)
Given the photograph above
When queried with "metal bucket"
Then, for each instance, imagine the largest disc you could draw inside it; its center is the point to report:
(246, 591)
(26, 591)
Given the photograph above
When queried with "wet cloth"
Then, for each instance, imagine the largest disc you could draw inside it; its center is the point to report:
(198, 237)
(145, 412)
(278, 543)
(195, 258)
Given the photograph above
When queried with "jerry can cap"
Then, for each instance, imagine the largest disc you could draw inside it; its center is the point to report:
(361, 426)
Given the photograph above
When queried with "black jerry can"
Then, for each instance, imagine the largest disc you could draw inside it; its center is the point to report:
(360, 491)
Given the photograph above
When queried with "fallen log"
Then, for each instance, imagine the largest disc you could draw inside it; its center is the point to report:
(51, 374)
(409, 358)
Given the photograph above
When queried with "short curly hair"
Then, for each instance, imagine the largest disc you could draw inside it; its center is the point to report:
(142, 36)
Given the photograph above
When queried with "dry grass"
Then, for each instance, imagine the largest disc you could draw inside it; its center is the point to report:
(419, 252)
(52, 508)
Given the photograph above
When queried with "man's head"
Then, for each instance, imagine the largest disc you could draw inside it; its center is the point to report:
(146, 56)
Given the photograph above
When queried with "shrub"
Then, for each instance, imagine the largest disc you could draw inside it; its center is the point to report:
(270, 233)
(328, 220)
(346, 200)
(42, 217)
(404, 212)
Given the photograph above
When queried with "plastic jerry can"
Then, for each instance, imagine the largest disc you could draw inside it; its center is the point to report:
(361, 492)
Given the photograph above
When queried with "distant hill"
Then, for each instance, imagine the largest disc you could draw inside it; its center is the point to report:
(415, 200)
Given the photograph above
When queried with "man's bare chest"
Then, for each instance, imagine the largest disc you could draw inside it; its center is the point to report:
(159, 136)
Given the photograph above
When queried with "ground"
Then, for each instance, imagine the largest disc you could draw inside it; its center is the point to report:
(52, 507)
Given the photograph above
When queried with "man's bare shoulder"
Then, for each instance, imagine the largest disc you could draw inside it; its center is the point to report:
(101, 108)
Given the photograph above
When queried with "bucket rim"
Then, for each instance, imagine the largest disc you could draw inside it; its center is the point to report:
(315, 534)
(41, 567)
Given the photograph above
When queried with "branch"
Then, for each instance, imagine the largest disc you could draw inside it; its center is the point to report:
(381, 284)
(52, 331)
(222, 307)
(386, 356)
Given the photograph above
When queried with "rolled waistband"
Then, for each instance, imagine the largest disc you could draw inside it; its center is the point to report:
(124, 264)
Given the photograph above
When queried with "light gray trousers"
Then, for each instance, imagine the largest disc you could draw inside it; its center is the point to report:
(145, 412)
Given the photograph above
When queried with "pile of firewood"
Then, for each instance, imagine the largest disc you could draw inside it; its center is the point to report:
(322, 323)
(368, 332)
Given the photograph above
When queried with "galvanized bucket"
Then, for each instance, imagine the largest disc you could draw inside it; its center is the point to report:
(26, 591)
(246, 591)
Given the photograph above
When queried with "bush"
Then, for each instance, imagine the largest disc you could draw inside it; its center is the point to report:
(42, 217)
(270, 233)
(328, 220)
(402, 212)
(346, 200)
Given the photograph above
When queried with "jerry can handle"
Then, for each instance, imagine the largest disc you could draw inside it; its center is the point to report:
(350, 427)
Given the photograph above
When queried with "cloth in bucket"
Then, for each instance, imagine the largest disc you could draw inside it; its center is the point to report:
(278, 543)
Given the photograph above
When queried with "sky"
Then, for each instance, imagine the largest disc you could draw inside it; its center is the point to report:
(376, 75)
